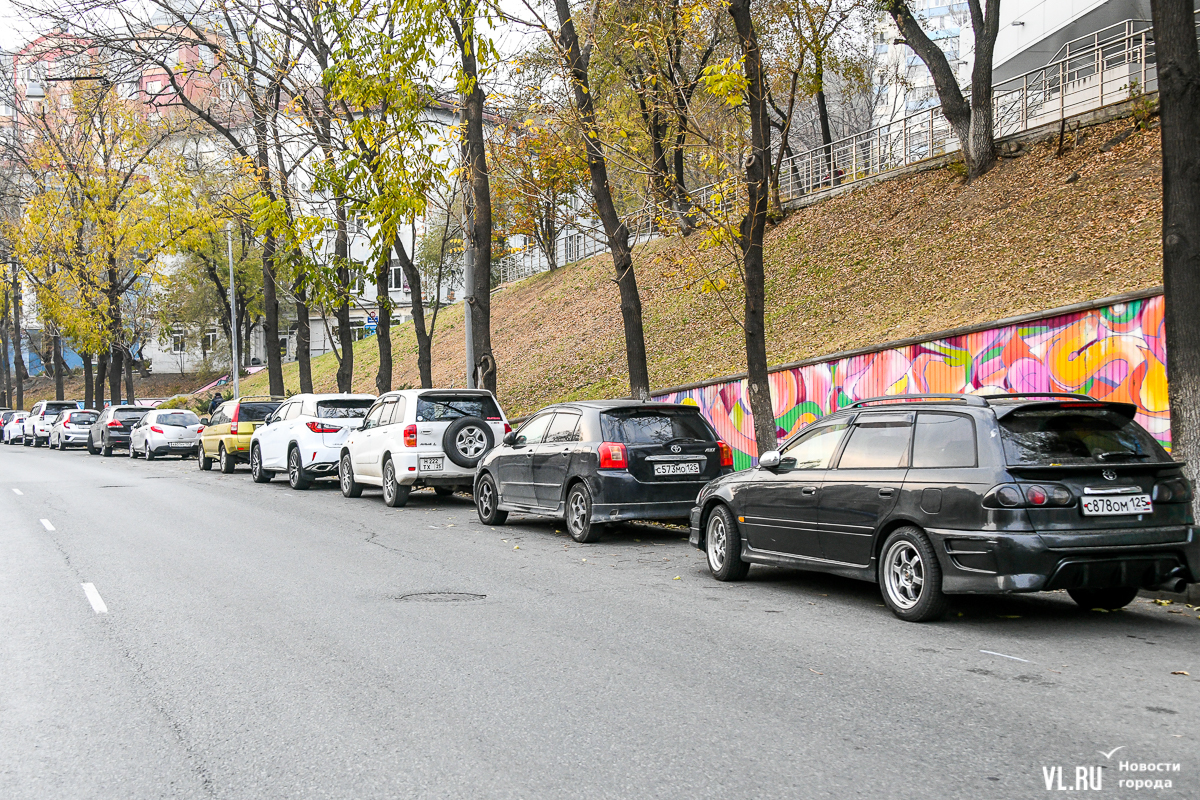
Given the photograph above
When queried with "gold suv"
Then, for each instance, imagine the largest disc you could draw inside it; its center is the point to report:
(226, 435)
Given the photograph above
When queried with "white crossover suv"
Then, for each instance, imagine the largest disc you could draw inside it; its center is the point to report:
(305, 435)
(421, 437)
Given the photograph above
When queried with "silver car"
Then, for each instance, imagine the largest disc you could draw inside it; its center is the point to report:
(71, 428)
(168, 431)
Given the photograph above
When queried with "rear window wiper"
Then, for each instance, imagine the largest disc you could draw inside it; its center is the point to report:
(1114, 455)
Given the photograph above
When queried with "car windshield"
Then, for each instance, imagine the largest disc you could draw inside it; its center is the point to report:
(129, 414)
(343, 409)
(448, 407)
(256, 412)
(1052, 436)
(657, 426)
(83, 419)
(180, 419)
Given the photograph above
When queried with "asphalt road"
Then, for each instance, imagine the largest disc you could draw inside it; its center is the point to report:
(266, 643)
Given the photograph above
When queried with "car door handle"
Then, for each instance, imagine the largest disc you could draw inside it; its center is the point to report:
(886, 492)
(809, 490)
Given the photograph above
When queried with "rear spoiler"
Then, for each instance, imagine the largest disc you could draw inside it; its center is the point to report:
(1127, 410)
(1118, 467)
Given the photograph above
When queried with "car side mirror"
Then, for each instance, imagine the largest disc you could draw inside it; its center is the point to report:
(769, 459)
(204, 420)
(510, 438)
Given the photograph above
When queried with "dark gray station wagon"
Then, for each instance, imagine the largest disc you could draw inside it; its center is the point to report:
(931, 495)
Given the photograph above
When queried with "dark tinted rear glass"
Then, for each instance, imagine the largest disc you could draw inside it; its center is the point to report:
(343, 409)
(56, 408)
(944, 440)
(655, 426)
(256, 412)
(130, 413)
(449, 407)
(180, 419)
(877, 444)
(1076, 436)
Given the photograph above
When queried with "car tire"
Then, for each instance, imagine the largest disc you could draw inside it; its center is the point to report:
(91, 446)
(147, 452)
(910, 576)
(106, 449)
(395, 494)
(203, 461)
(296, 477)
(228, 465)
(349, 486)
(37, 442)
(467, 440)
(257, 473)
(487, 502)
(579, 515)
(1107, 599)
(723, 546)
(132, 451)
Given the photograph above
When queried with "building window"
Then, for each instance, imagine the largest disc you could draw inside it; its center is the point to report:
(210, 339)
(356, 331)
(396, 280)
(178, 345)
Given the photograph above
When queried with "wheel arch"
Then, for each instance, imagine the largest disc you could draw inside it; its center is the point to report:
(886, 530)
(707, 509)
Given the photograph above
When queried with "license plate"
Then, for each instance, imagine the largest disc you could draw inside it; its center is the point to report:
(182, 444)
(1116, 506)
(431, 464)
(680, 468)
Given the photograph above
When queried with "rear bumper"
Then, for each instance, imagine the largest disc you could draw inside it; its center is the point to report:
(618, 495)
(975, 562)
(409, 473)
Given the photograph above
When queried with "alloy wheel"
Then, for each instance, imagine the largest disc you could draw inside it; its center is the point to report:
(471, 441)
(486, 499)
(577, 511)
(389, 482)
(717, 542)
(904, 574)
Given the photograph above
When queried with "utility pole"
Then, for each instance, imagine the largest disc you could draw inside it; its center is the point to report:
(18, 357)
(233, 325)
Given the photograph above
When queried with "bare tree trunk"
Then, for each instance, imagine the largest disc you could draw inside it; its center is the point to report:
(1179, 99)
(383, 325)
(8, 398)
(101, 376)
(89, 390)
(303, 341)
(56, 344)
(614, 228)
(424, 336)
(19, 372)
(129, 393)
(753, 227)
(115, 369)
(826, 136)
(341, 248)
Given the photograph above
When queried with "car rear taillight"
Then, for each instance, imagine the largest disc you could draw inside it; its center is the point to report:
(200, 429)
(233, 426)
(613, 456)
(114, 423)
(1013, 495)
(1172, 490)
(321, 427)
(507, 429)
(157, 429)
(410, 436)
(726, 453)
(1036, 496)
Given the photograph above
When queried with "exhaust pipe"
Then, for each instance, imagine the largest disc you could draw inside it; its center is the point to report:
(1175, 582)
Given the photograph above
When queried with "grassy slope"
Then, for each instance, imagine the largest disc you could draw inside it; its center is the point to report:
(157, 385)
(899, 258)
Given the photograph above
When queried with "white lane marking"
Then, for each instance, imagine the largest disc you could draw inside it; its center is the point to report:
(46, 524)
(1014, 658)
(94, 598)
(17, 491)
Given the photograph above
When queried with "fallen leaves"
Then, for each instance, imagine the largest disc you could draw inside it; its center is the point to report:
(1181, 672)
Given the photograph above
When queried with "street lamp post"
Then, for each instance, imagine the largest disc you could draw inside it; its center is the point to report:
(233, 326)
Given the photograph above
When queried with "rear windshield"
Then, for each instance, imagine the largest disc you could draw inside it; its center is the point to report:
(256, 412)
(125, 414)
(655, 426)
(343, 409)
(181, 419)
(448, 407)
(83, 418)
(57, 408)
(1058, 436)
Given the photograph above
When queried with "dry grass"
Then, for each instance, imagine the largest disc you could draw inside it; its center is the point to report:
(157, 385)
(895, 259)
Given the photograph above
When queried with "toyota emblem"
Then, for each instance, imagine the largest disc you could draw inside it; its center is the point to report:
(677, 449)
(1109, 475)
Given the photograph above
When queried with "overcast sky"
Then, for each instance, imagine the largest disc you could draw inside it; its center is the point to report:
(13, 30)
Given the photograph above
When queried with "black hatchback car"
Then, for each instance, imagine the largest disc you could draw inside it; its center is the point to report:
(931, 495)
(595, 462)
(111, 429)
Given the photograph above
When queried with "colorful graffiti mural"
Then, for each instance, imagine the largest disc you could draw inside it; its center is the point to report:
(1115, 352)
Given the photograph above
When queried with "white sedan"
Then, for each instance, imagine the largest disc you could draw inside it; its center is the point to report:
(14, 429)
(305, 436)
(163, 432)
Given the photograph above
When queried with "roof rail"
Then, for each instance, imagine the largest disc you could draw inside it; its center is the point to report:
(1069, 395)
(969, 399)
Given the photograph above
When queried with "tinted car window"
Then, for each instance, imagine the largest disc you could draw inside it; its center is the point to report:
(83, 418)
(372, 419)
(180, 419)
(565, 428)
(398, 412)
(389, 409)
(877, 444)
(531, 432)
(814, 448)
(655, 426)
(944, 440)
(343, 409)
(128, 414)
(449, 407)
(1075, 436)
(256, 412)
(56, 408)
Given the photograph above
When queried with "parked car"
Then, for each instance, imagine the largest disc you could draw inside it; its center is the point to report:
(933, 495)
(71, 428)
(162, 432)
(596, 462)
(111, 429)
(421, 437)
(304, 436)
(13, 426)
(226, 435)
(36, 426)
